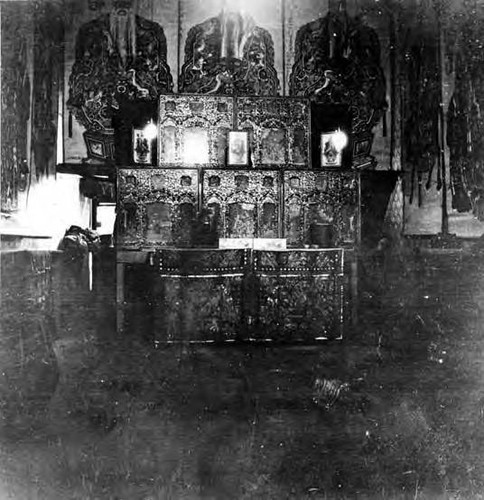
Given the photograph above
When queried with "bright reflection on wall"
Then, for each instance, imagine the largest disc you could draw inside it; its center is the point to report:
(242, 5)
(106, 217)
(49, 208)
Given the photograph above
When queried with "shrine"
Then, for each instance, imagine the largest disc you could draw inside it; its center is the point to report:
(257, 248)
(241, 249)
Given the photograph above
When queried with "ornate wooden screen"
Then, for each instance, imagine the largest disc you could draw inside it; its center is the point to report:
(198, 295)
(246, 295)
(156, 207)
(279, 130)
(194, 129)
(325, 196)
(246, 203)
(300, 294)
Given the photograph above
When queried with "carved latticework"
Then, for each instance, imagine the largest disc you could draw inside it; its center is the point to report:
(321, 197)
(199, 294)
(229, 55)
(279, 130)
(194, 130)
(201, 262)
(226, 295)
(337, 61)
(120, 58)
(245, 203)
(301, 308)
(156, 208)
(102, 76)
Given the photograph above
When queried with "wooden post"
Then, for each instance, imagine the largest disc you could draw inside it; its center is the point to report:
(119, 297)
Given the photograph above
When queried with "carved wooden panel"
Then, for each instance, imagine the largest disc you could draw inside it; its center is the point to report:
(103, 75)
(198, 309)
(229, 54)
(323, 197)
(326, 262)
(194, 130)
(226, 295)
(300, 308)
(245, 203)
(300, 294)
(337, 60)
(199, 294)
(156, 208)
(279, 130)
(191, 262)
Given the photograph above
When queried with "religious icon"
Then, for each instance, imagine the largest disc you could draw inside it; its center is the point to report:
(332, 145)
(141, 147)
(330, 156)
(238, 148)
(273, 146)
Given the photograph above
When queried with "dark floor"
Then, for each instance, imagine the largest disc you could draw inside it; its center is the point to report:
(394, 411)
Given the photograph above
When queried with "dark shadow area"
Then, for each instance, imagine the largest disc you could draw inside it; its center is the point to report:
(393, 411)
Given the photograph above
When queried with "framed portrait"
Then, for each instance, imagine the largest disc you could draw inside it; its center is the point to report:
(238, 148)
(142, 147)
(331, 154)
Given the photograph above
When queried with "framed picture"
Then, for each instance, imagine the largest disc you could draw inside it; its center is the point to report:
(331, 154)
(362, 146)
(238, 148)
(142, 147)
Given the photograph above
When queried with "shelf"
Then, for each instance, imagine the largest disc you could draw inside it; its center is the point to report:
(92, 170)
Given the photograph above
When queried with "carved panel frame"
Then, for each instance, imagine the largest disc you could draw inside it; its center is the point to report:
(141, 187)
(226, 187)
(214, 114)
(261, 116)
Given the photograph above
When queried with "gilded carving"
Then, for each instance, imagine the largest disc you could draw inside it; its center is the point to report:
(279, 130)
(337, 61)
(193, 129)
(209, 295)
(300, 308)
(120, 56)
(156, 208)
(322, 197)
(230, 55)
(245, 203)
(198, 309)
